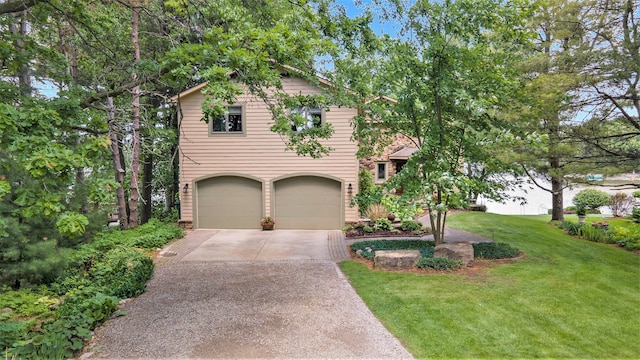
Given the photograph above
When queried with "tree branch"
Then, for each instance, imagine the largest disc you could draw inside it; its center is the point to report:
(17, 6)
(120, 89)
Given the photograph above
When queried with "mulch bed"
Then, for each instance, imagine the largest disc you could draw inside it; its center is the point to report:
(360, 234)
(478, 268)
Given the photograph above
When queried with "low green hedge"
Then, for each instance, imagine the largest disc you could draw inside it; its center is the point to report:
(437, 263)
(494, 250)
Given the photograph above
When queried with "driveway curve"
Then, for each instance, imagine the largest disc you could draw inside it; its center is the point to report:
(266, 307)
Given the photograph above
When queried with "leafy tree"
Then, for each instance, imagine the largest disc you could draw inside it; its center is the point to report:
(451, 73)
(591, 199)
(583, 93)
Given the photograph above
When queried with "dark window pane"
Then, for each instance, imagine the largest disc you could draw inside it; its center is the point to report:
(381, 171)
(229, 122)
(218, 124)
(235, 123)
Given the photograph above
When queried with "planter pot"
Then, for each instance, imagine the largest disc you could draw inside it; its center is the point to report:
(267, 227)
(581, 219)
(391, 217)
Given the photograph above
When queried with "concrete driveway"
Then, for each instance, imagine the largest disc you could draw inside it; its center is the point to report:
(258, 245)
(231, 294)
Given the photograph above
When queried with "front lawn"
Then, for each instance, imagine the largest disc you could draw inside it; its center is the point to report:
(569, 298)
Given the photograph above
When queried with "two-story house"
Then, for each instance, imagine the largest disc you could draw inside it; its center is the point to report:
(234, 170)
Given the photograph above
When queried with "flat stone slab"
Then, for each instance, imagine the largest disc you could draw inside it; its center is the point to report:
(462, 251)
(395, 259)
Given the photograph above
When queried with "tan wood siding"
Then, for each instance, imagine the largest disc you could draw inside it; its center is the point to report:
(259, 152)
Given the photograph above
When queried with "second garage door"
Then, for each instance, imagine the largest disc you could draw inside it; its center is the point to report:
(308, 202)
(229, 202)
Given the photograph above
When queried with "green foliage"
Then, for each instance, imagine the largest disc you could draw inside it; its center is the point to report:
(403, 209)
(27, 303)
(399, 244)
(72, 224)
(368, 193)
(436, 263)
(626, 236)
(636, 194)
(591, 199)
(494, 250)
(123, 272)
(367, 229)
(410, 225)
(593, 233)
(99, 274)
(571, 227)
(383, 224)
(635, 214)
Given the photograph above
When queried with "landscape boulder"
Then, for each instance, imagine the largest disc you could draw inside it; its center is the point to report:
(395, 259)
(462, 251)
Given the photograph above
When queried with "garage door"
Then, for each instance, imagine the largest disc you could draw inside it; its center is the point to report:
(229, 202)
(308, 202)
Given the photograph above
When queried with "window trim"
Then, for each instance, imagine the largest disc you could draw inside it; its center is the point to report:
(227, 133)
(379, 179)
(322, 116)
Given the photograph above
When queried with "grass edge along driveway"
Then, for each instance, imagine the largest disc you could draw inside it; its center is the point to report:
(569, 298)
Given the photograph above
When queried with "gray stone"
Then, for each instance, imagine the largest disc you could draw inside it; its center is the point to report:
(359, 252)
(395, 259)
(6, 311)
(462, 251)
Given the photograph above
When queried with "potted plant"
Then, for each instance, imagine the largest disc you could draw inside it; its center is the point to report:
(582, 214)
(267, 223)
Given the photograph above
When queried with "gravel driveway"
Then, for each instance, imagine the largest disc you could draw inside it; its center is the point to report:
(247, 309)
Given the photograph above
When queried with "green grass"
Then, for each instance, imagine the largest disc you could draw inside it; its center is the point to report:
(568, 298)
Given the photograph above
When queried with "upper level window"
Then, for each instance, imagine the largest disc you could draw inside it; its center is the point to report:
(230, 123)
(312, 118)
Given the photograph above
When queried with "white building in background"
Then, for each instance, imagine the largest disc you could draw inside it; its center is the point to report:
(539, 201)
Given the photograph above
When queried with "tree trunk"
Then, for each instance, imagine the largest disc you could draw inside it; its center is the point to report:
(173, 188)
(19, 28)
(134, 196)
(117, 165)
(147, 189)
(557, 201)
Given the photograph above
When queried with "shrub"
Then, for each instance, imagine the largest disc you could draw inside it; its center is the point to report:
(439, 263)
(368, 192)
(383, 224)
(375, 212)
(635, 214)
(631, 244)
(410, 225)
(403, 209)
(367, 229)
(476, 207)
(425, 247)
(593, 233)
(591, 199)
(124, 272)
(621, 203)
(494, 250)
(570, 227)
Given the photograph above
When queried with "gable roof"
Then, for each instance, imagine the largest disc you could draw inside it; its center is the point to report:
(321, 80)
